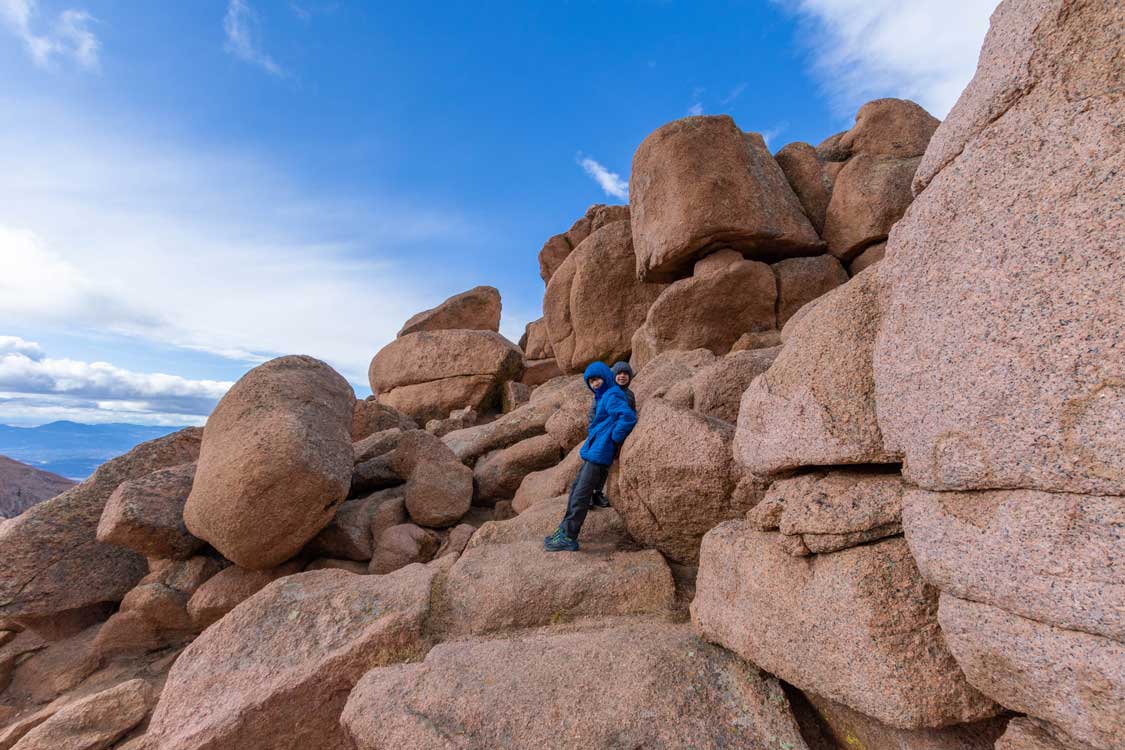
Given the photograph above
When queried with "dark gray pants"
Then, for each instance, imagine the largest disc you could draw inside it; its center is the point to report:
(590, 477)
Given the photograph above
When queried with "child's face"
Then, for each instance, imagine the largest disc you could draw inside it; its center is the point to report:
(622, 379)
(596, 383)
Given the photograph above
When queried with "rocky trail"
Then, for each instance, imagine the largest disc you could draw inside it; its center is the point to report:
(875, 499)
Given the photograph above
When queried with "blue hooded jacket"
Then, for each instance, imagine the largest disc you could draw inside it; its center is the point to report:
(613, 418)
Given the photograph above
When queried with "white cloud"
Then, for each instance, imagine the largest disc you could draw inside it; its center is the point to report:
(769, 134)
(925, 50)
(610, 182)
(29, 377)
(241, 25)
(734, 94)
(111, 232)
(69, 36)
(695, 109)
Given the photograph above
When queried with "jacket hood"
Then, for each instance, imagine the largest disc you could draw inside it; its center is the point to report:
(619, 367)
(598, 370)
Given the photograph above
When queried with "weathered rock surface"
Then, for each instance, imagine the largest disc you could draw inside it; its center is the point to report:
(890, 127)
(816, 405)
(700, 182)
(53, 544)
(348, 535)
(1073, 680)
(402, 545)
(708, 312)
(230, 587)
(834, 510)
(658, 687)
(879, 649)
(1055, 558)
(716, 390)
(22, 486)
(477, 309)
(594, 302)
(439, 488)
(666, 370)
(809, 178)
(1025, 733)
(547, 483)
(676, 479)
(869, 257)
(801, 280)
(495, 587)
(146, 515)
(558, 247)
(94, 722)
(536, 372)
(276, 671)
(259, 501)
(870, 194)
(536, 341)
(498, 475)
(428, 374)
(513, 395)
(458, 419)
(371, 417)
(851, 729)
(1000, 361)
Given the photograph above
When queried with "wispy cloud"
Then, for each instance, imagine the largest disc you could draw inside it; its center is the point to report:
(29, 379)
(695, 109)
(109, 231)
(925, 50)
(242, 27)
(610, 182)
(769, 134)
(69, 36)
(734, 94)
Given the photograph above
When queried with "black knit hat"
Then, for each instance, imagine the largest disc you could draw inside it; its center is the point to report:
(619, 367)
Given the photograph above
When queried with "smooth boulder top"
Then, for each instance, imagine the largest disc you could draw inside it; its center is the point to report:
(477, 309)
(433, 355)
(700, 182)
(276, 462)
(636, 686)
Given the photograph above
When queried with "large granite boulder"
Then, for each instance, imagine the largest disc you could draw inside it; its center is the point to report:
(439, 488)
(259, 501)
(657, 686)
(869, 195)
(477, 309)
(666, 370)
(52, 561)
(559, 247)
(94, 721)
(498, 475)
(370, 417)
(676, 479)
(230, 587)
(1053, 558)
(547, 483)
(146, 515)
(879, 649)
(716, 389)
(594, 301)
(801, 280)
(428, 374)
(1073, 680)
(815, 406)
(700, 183)
(708, 311)
(275, 672)
(1001, 356)
(810, 179)
(1026, 733)
(536, 341)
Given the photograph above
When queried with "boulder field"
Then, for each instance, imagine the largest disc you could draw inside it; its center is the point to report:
(874, 499)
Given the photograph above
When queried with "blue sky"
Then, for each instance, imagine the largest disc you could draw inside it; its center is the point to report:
(187, 189)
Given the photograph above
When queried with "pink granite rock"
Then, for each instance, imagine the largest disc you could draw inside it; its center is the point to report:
(657, 685)
(815, 406)
(1073, 680)
(878, 646)
(1057, 559)
(477, 309)
(1001, 358)
(801, 280)
(146, 515)
(699, 183)
(1026, 733)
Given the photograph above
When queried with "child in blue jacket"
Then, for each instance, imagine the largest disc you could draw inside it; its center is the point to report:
(611, 423)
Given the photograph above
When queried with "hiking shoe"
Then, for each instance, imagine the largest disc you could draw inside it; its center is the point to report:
(599, 500)
(554, 537)
(560, 543)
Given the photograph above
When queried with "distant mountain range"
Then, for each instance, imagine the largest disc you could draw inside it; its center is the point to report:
(71, 449)
(22, 486)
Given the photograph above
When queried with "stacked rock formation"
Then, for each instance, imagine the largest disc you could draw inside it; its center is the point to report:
(868, 503)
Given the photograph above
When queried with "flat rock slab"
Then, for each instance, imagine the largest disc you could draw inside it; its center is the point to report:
(519, 585)
(93, 722)
(604, 529)
(275, 672)
(477, 309)
(878, 648)
(1073, 680)
(1055, 558)
(635, 686)
(1025, 733)
(146, 515)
